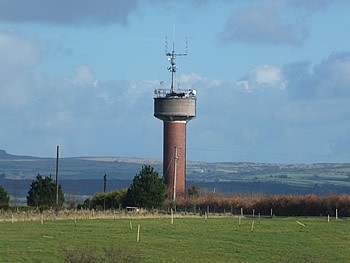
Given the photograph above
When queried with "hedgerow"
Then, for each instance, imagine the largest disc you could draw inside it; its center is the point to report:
(281, 205)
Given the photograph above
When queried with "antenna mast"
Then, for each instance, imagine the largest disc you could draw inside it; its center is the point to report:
(171, 58)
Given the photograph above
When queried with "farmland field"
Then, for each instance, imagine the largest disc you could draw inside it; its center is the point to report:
(189, 239)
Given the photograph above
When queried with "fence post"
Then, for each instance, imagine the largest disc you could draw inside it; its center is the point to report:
(138, 234)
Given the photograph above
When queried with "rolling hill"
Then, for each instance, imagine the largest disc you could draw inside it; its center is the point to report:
(83, 176)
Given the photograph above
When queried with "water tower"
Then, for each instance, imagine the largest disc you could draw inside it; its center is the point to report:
(175, 107)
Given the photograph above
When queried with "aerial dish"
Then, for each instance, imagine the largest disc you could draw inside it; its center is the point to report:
(194, 92)
(156, 91)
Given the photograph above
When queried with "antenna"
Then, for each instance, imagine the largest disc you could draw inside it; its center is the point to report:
(171, 58)
(166, 45)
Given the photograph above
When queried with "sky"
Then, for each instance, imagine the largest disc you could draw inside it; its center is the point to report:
(272, 78)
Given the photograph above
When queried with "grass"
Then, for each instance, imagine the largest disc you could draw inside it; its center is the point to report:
(219, 239)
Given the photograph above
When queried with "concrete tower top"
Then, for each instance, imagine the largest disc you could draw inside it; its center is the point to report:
(173, 108)
(176, 104)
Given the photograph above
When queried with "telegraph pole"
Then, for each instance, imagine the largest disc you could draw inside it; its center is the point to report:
(57, 158)
(104, 191)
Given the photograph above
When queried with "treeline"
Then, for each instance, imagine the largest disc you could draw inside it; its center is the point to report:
(280, 205)
(149, 191)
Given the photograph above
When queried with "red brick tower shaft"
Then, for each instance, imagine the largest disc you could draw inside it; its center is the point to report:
(174, 151)
(175, 111)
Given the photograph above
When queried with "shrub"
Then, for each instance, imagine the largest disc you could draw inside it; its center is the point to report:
(110, 255)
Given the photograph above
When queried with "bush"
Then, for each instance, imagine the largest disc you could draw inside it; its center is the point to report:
(110, 255)
(108, 200)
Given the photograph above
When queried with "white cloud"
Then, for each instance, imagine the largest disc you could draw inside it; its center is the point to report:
(263, 77)
(190, 80)
(17, 52)
(328, 79)
(83, 75)
(18, 55)
(192, 77)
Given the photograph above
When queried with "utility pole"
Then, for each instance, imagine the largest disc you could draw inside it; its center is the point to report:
(104, 182)
(104, 191)
(57, 158)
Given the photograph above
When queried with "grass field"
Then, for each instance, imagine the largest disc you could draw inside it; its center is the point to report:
(219, 239)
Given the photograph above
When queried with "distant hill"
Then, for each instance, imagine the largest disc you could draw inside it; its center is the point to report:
(4, 155)
(84, 175)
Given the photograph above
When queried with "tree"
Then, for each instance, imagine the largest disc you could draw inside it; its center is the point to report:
(147, 189)
(42, 193)
(4, 198)
(193, 191)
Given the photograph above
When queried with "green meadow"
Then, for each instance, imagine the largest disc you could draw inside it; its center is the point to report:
(188, 239)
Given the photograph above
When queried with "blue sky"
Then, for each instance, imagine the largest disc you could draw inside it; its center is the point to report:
(272, 78)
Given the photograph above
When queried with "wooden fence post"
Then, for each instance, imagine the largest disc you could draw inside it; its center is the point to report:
(138, 234)
(252, 229)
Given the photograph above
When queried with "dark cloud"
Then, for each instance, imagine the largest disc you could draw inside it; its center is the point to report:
(332, 76)
(328, 79)
(299, 76)
(66, 11)
(262, 24)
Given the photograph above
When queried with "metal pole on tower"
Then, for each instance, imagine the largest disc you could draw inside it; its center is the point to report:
(175, 164)
(175, 161)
